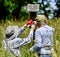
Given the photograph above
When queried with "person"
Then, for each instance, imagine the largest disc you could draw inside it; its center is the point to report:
(11, 42)
(43, 38)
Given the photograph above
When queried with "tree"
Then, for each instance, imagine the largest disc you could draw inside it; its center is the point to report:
(47, 8)
(14, 6)
(10, 5)
(3, 11)
(21, 3)
(58, 10)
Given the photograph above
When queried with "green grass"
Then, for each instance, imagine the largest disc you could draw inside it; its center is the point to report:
(25, 49)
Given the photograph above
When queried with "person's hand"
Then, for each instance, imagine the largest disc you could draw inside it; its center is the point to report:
(32, 27)
(34, 22)
(25, 25)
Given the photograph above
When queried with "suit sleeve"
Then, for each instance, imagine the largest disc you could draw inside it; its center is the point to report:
(20, 30)
(28, 39)
(38, 39)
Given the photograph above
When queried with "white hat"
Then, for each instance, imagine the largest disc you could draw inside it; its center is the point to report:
(11, 32)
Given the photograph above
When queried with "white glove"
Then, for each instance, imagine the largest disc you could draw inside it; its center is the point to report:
(33, 27)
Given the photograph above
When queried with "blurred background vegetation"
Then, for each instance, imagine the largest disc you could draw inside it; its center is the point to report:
(13, 12)
(16, 9)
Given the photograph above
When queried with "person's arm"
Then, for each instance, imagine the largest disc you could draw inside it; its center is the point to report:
(19, 41)
(21, 29)
(38, 39)
(29, 38)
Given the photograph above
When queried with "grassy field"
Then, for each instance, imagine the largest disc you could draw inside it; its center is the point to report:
(25, 49)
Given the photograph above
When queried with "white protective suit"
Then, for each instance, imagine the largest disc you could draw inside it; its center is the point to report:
(13, 44)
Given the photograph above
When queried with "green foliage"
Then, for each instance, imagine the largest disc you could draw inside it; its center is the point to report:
(11, 5)
(23, 14)
(14, 7)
